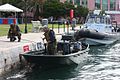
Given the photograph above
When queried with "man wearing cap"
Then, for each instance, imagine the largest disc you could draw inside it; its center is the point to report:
(51, 40)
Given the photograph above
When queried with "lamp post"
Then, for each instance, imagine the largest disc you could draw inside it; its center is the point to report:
(25, 16)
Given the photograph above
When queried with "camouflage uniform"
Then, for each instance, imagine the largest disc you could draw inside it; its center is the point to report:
(50, 38)
(14, 31)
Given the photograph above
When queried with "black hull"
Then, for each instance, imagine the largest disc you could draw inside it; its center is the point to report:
(42, 58)
(92, 37)
(47, 60)
(39, 58)
(86, 33)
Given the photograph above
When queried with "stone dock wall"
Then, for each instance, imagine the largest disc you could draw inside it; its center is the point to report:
(10, 52)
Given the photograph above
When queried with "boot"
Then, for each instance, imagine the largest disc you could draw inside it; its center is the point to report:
(19, 38)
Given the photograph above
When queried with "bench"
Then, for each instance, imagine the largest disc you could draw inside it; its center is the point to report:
(36, 25)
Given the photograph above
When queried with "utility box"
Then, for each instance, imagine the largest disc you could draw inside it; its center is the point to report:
(44, 22)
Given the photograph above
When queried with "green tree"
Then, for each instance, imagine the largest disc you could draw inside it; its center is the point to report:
(47, 8)
(81, 11)
(56, 9)
(13, 2)
(37, 13)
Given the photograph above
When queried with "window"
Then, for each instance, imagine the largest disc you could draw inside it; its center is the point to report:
(113, 17)
(77, 2)
(91, 20)
(84, 3)
(112, 4)
(97, 20)
(97, 4)
(70, 1)
(105, 4)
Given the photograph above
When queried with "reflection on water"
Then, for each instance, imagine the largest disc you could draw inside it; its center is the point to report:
(103, 63)
(55, 73)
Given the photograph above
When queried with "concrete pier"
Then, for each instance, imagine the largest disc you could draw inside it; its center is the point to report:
(10, 51)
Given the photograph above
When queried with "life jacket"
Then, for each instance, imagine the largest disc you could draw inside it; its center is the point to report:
(47, 36)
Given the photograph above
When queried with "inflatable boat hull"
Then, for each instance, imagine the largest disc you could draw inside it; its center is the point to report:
(96, 38)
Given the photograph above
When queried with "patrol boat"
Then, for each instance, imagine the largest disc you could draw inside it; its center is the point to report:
(98, 30)
(68, 52)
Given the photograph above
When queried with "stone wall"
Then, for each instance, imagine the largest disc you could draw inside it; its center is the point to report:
(10, 57)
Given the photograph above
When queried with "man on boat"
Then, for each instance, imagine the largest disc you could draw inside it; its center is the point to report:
(51, 40)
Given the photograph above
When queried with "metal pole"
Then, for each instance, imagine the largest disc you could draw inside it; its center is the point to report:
(15, 15)
(64, 26)
(67, 28)
(58, 27)
(25, 16)
(52, 25)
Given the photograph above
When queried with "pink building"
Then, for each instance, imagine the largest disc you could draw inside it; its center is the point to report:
(111, 6)
(97, 4)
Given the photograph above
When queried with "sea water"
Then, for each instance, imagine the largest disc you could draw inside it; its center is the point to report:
(103, 63)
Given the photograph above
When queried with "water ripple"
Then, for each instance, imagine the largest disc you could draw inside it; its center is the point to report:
(103, 63)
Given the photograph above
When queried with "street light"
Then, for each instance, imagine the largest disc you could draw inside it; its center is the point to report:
(25, 15)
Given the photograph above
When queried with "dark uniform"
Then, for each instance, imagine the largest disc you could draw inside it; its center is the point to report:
(14, 31)
(50, 38)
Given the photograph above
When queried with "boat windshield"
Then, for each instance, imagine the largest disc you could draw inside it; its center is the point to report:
(107, 21)
(98, 20)
(91, 20)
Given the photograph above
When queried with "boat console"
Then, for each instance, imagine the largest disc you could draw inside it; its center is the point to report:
(68, 44)
(67, 37)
